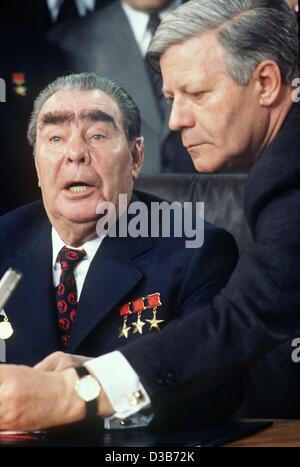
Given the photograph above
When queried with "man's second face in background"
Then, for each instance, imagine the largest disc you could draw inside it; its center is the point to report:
(221, 122)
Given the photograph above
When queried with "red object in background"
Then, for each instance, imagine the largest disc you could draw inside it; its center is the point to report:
(18, 78)
(21, 435)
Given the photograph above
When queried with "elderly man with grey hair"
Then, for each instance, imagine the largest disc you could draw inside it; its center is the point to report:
(228, 70)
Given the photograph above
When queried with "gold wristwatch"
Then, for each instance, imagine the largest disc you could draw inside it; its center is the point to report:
(88, 389)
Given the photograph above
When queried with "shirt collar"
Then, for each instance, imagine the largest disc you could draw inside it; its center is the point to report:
(90, 247)
(54, 6)
(138, 20)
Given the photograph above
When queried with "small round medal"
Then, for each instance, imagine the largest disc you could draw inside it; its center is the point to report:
(6, 330)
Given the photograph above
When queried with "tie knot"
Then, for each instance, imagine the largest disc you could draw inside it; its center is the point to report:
(69, 258)
(153, 23)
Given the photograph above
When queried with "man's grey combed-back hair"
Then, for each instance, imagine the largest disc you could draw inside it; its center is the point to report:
(88, 82)
(251, 31)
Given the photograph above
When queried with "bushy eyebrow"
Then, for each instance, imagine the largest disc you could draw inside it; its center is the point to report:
(56, 118)
(98, 116)
(61, 117)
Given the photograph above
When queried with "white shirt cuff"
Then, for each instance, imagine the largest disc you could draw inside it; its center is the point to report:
(120, 383)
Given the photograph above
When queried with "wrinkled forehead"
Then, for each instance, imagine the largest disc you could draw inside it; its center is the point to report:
(78, 104)
(200, 59)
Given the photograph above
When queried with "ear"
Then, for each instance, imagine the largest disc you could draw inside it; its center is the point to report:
(268, 82)
(137, 153)
(37, 169)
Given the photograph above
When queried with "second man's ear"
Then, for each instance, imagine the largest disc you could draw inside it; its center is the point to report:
(269, 81)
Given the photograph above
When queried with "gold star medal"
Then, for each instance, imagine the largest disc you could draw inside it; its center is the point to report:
(154, 323)
(124, 330)
(138, 325)
(153, 301)
(125, 311)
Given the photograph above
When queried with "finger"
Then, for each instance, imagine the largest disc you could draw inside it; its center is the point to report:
(65, 363)
(50, 363)
(71, 361)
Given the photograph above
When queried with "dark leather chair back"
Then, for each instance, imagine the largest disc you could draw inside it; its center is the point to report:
(222, 194)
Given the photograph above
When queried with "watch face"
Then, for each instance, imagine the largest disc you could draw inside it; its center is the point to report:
(88, 388)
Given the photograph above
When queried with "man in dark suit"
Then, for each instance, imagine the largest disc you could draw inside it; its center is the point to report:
(232, 89)
(113, 42)
(82, 292)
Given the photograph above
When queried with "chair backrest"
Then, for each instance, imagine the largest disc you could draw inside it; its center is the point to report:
(222, 194)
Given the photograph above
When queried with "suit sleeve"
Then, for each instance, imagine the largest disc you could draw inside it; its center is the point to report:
(208, 270)
(255, 312)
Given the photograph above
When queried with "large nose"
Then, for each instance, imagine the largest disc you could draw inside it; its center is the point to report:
(181, 115)
(77, 151)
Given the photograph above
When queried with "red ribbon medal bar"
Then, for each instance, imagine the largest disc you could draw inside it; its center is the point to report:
(18, 80)
(138, 306)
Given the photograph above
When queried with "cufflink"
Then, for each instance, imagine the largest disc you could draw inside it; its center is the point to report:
(136, 398)
(125, 422)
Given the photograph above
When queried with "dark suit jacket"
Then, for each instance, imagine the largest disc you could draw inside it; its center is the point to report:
(104, 43)
(122, 270)
(260, 306)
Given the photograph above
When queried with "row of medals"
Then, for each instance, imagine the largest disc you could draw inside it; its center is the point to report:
(138, 325)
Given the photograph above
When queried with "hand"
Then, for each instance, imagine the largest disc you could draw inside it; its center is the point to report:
(31, 399)
(58, 361)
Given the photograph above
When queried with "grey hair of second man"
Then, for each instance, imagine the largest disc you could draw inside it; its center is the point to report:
(89, 82)
(251, 31)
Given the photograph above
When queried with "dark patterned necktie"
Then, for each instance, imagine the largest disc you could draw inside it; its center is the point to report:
(66, 293)
(154, 75)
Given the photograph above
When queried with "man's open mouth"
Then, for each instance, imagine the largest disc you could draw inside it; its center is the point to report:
(78, 187)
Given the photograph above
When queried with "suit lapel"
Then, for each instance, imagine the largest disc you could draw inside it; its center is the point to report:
(32, 308)
(111, 276)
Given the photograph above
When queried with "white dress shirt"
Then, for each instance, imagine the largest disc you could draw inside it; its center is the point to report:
(138, 21)
(82, 268)
(118, 379)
